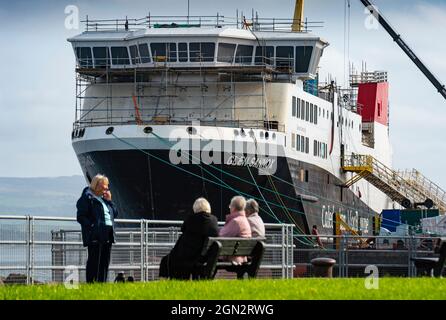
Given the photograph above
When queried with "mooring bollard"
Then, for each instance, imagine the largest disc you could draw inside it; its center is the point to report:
(323, 267)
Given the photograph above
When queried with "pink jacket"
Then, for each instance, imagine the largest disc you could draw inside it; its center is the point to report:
(237, 225)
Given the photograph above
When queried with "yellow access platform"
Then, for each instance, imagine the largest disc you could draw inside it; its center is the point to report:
(398, 187)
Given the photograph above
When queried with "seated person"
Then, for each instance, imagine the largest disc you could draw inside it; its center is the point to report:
(255, 221)
(197, 227)
(236, 224)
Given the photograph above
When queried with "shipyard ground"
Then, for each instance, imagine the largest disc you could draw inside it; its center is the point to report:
(295, 289)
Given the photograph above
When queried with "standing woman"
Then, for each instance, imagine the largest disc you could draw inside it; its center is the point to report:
(96, 213)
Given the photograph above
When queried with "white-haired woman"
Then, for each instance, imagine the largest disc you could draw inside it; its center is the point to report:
(96, 214)
(199, 225)
(255, 221)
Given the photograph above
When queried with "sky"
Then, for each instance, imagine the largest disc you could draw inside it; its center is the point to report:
(37, 86)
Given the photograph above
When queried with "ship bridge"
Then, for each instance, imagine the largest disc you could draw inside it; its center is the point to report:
(178, 70)
(203, 43)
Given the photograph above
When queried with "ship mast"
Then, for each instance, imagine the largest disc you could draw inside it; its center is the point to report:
(298, 16)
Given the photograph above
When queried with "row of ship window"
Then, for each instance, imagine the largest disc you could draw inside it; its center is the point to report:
(307, 111)
(346, 122)
(281, 56)
(302, 144)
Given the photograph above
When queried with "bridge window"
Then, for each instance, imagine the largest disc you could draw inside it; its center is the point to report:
(84, 57)
(182, 52)
(303, 57)
(284, 56)
(172, 52)
(226, 52)
(120, 55)
(315, 148)
(164, 52)
(144, 53)
(202, 51)
(134, 54)
(101, 57)
(302, 110)
(244, 54)
(293, 140)
(298, 143)
(264, 55)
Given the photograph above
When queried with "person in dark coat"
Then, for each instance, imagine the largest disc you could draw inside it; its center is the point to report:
(96, 214)
(196, 228)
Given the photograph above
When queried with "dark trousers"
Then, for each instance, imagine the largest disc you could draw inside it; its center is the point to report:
(98, 262)
(175, 270)
(99, 258)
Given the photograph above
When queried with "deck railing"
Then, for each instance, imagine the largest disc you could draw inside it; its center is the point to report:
(216, 21)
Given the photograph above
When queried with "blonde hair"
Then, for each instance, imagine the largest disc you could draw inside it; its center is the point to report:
(201, 205)
(238, 203)
(251, 206)
(96, 180)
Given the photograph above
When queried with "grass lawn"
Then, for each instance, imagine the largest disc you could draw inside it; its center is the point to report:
(296, 289)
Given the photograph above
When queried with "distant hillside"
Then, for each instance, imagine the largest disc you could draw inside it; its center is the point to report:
(40, 196)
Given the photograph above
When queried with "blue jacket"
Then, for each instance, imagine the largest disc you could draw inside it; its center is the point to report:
(90, 214)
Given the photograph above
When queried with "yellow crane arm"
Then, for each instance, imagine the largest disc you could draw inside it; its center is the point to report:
(298, 16)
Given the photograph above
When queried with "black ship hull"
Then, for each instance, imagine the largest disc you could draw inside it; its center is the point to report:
(145, 185)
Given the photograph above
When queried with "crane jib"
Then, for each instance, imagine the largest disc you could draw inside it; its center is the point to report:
(409, 52)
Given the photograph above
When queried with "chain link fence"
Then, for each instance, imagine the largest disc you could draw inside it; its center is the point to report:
(37, 250)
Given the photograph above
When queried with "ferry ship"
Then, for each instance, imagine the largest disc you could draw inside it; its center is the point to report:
(175, 108)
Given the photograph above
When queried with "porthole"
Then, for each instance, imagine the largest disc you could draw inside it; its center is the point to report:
(274, 136)
(242, 133)
(109, 130)
(148, 130)
(261, 134)
(266, 135)
(191, 130)
(236, 133)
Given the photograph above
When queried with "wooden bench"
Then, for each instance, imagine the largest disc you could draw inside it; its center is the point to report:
(216, 249)
(432, 266)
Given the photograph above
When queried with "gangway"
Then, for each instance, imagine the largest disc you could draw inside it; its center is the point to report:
(428, 187)
(389, 181)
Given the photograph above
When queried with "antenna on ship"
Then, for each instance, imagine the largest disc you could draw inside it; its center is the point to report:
(188, 10)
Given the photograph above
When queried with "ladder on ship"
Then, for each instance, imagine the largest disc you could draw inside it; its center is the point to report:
(406, 191)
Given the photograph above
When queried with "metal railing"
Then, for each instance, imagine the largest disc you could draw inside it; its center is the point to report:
(173, 60)
(368, 77)
(391, 255)
(426, 186)
(386, 179)
(49, 249)
(216, 21)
